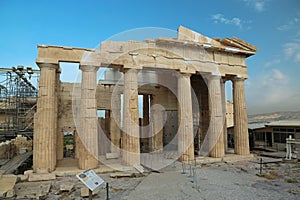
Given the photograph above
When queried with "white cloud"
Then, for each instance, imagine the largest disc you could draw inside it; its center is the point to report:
(297, 57)
(258, 5)
(273, 62)
(278, 75)
(275, 77)
(292, 51)
(220, 18)
(289, 25)
(272, 92)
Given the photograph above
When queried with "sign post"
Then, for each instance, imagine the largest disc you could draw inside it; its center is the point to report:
(91, 180)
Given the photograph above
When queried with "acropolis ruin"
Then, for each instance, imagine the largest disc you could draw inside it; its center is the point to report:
(181, 81)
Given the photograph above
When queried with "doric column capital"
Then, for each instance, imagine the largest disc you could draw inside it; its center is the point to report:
(223, 80)
(58, 70)
(238, 78)
(215, 76)
(187, 75)
(88, 68)
(127, 67)
(209, 76)
(131, 70)
(48, 65)
(212, 77)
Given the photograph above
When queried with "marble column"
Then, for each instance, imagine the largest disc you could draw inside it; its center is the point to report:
(88, 118)
(216, 126)
(45, 127)
(156, 121)
(185, 116)
(223, 96)
(60, 132)
(131, 140)
(107, 131)
(145, 134)
(115, 122)
(241, 136)
(78, 144)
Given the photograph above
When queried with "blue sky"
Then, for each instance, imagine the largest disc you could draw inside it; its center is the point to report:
(272, 25)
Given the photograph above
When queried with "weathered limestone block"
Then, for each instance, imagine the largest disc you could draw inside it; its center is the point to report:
(22, 178)
(33, 190)
(7, 183)
(66, 187)
(84, 192)
(10, 193)
(27, 172)
(41, 177)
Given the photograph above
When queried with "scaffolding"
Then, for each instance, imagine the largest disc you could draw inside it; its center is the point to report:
(18, 97)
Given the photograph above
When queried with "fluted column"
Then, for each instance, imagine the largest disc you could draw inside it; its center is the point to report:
(107, 131)
(131, 140)
(145, 134)
(60, 132)
(241, 138)
(115, 131)
(185, 116)
(217, 120)
(44, 143)
(88, 118)
(223, 96)
(156, 121)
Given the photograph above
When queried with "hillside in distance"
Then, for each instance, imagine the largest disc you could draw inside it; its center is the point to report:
(276, 116)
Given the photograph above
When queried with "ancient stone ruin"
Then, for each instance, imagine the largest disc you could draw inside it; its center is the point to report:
(181, 81)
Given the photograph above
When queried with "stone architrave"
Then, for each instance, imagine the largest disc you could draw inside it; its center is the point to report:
(216, 125)
(241, 136)
(185, 116)
(131, 140)
(45, 127)
(88, 119)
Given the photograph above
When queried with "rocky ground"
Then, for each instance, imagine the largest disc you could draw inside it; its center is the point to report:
(239, 180)
(242, 180)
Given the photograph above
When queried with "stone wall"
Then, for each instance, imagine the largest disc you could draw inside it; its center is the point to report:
(160, 94)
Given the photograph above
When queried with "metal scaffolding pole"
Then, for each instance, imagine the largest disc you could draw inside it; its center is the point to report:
(18, 95)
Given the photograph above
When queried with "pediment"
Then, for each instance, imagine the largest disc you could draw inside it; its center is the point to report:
(234, 44)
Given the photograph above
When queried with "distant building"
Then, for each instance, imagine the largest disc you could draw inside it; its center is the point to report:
(274, 134)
